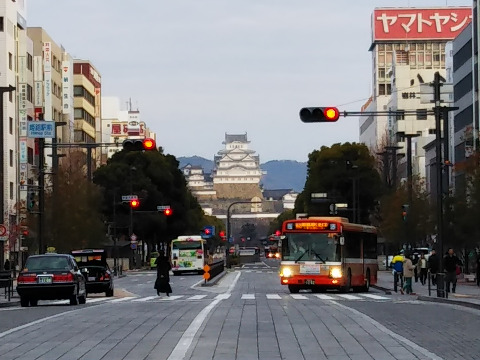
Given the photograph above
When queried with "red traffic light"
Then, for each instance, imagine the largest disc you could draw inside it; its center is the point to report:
(134, 204)
(221, 233)
(319, 114)
(278, 233)
(149, 144)
(25, 233)
(167, 212)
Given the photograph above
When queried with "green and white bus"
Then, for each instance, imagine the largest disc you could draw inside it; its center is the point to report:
(189, 253)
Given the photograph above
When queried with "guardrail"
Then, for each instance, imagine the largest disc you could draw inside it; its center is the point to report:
(6, 282)
(213, 269)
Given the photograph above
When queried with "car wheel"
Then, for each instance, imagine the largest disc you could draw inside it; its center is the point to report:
(74, 300)
(24, 302)
(294, 289)
(82, 299)
(109, 293)
(33, 302)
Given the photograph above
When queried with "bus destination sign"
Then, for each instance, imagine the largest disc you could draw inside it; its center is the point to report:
(312, 225)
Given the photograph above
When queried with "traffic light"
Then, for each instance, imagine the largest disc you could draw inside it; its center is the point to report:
(222, 235)
(278, 233)
(167, 212)
(30, 200)
(319, 114)
(208, 231)
(405, 211)
(139, 144)
(134, 204)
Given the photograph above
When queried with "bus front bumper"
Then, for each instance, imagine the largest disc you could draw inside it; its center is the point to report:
(312, 280)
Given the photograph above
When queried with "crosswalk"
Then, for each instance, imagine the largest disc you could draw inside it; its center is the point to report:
(245, 296)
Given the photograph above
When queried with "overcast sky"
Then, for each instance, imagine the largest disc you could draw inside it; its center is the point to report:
(197, 69)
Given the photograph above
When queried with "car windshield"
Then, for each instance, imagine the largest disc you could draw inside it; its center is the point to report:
(89, 260)
(47, 263)
(311, 247)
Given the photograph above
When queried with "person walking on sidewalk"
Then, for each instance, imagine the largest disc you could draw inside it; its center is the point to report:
(433, 266)
(162, 283)
(422, 269)
(408, 273)
(450, 263)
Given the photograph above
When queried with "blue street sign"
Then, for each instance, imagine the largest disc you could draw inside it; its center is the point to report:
(230, 240)
(41, 129)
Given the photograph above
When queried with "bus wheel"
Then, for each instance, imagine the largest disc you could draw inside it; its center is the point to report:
(348, 285)
(293, 289)
(366, 286)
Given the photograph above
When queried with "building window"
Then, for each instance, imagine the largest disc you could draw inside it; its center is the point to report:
(381, 89)
(11, 190)
(10, 61)
(1, 24)
(30, 155)
(10, 96)
(421, 114)
(10, 125)
(11, 158)
(29, 62)
(389, 89)
(29, 93)
(400, 115)
(381, 73)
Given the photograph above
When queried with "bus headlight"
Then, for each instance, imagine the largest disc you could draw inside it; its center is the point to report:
(286, 272)
(335, 272)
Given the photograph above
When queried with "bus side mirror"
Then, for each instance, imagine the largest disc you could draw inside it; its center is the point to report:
(342, 240)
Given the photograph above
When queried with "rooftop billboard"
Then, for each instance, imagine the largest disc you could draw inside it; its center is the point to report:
(389, 24)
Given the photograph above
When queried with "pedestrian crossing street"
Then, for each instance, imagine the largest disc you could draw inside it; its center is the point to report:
(248, 296)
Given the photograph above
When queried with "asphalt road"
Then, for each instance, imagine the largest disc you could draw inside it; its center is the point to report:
(248, 315)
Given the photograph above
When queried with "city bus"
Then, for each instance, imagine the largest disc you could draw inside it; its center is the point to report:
(321, 253)
(189, 253)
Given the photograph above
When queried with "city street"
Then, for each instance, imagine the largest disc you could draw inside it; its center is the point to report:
(247, 315)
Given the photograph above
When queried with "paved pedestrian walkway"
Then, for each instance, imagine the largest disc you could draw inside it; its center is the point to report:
(466, 293)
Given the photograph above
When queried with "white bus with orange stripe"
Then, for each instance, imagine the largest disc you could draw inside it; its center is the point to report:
(320, 253)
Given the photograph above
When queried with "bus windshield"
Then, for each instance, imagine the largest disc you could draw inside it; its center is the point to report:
(186, 245)
(311, 247)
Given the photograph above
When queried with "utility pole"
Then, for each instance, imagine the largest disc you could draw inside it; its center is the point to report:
(41, 192)
(438, 167)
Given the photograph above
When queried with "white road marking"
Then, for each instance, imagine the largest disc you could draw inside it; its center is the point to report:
(171, 298)
(273, 296)
(222, 296)
(298, 297)
(94, 300)
(186, 340)
(349, 297)
(197, 297)
(385, 330)
(145, 299)
(248, 270)
(248, 297)
(324, 297)
(8, 332)
(376, 297)
(123, 299)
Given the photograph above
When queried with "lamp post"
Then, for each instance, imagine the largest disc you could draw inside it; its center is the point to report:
(228, 230)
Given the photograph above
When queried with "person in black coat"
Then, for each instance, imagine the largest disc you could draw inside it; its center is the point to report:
(450, 263)
(162, 283)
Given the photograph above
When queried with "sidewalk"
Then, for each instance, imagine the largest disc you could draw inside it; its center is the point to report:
(14, 299)
(466, 294)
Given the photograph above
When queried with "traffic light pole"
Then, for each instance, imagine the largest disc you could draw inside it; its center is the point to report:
(41, 193)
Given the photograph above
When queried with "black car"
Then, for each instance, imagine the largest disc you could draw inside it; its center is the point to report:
(93, 265)
(51, 277)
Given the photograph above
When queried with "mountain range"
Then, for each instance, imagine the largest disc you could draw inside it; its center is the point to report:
(280, 174)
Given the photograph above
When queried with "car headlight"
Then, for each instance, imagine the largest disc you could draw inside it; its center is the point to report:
(335, 273)
(287, 272)
(277, 255)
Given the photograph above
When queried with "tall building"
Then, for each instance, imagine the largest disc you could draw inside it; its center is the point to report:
(408, 47)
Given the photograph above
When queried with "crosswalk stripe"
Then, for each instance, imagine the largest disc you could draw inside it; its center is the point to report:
(222, 296)
(94, 300)
(298, 297)
(144, 299)
(324, 297)
(123, 299)
(349, 297)
(376, 297)
(197, 297)
(248, 297)
(171, 298)
(273, 296)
